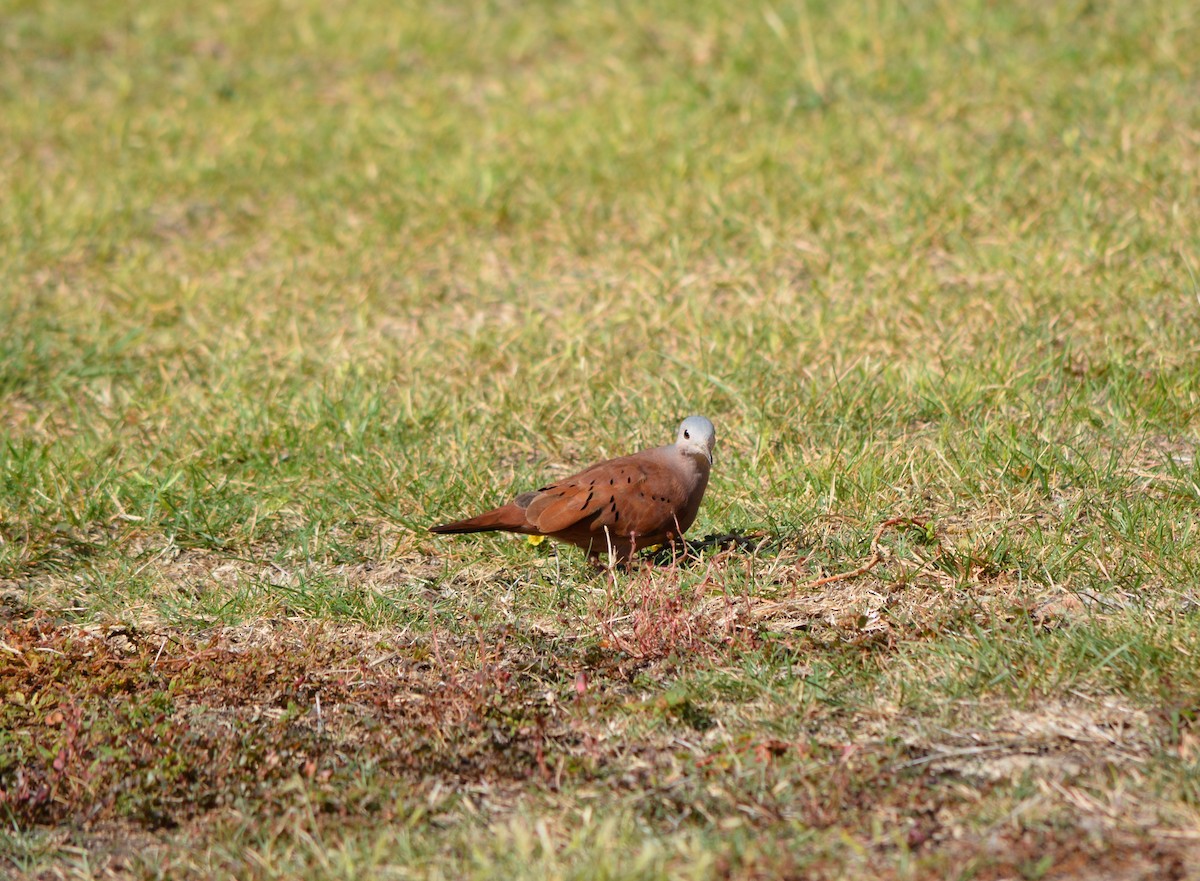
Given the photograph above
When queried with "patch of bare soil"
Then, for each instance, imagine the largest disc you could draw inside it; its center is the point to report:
(1058, 740)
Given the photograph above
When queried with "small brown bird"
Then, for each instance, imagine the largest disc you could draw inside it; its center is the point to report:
(618, 506)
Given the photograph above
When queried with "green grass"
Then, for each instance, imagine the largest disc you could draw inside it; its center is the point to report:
(283, 284)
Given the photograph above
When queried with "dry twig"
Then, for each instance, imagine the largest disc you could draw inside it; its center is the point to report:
(766, 610)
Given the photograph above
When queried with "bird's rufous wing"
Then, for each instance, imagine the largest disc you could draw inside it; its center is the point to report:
(630, 495)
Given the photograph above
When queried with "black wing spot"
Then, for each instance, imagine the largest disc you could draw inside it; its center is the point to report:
(588, 499)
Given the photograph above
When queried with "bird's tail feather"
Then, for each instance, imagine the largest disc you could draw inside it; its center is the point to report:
(508, 518)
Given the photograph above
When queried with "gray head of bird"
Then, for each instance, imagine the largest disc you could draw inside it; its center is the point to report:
(696, 437)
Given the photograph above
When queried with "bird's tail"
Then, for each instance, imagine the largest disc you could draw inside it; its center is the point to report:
(509, 518)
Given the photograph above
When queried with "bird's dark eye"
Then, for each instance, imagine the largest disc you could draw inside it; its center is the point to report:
(687, 436)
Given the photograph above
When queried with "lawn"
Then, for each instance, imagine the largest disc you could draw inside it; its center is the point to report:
(282, 284)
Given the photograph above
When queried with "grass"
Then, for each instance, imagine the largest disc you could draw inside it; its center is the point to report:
(280, 286)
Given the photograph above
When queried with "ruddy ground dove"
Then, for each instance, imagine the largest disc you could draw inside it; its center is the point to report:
(617, 506)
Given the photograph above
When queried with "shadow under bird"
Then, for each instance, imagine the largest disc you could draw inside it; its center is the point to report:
(617, 506)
